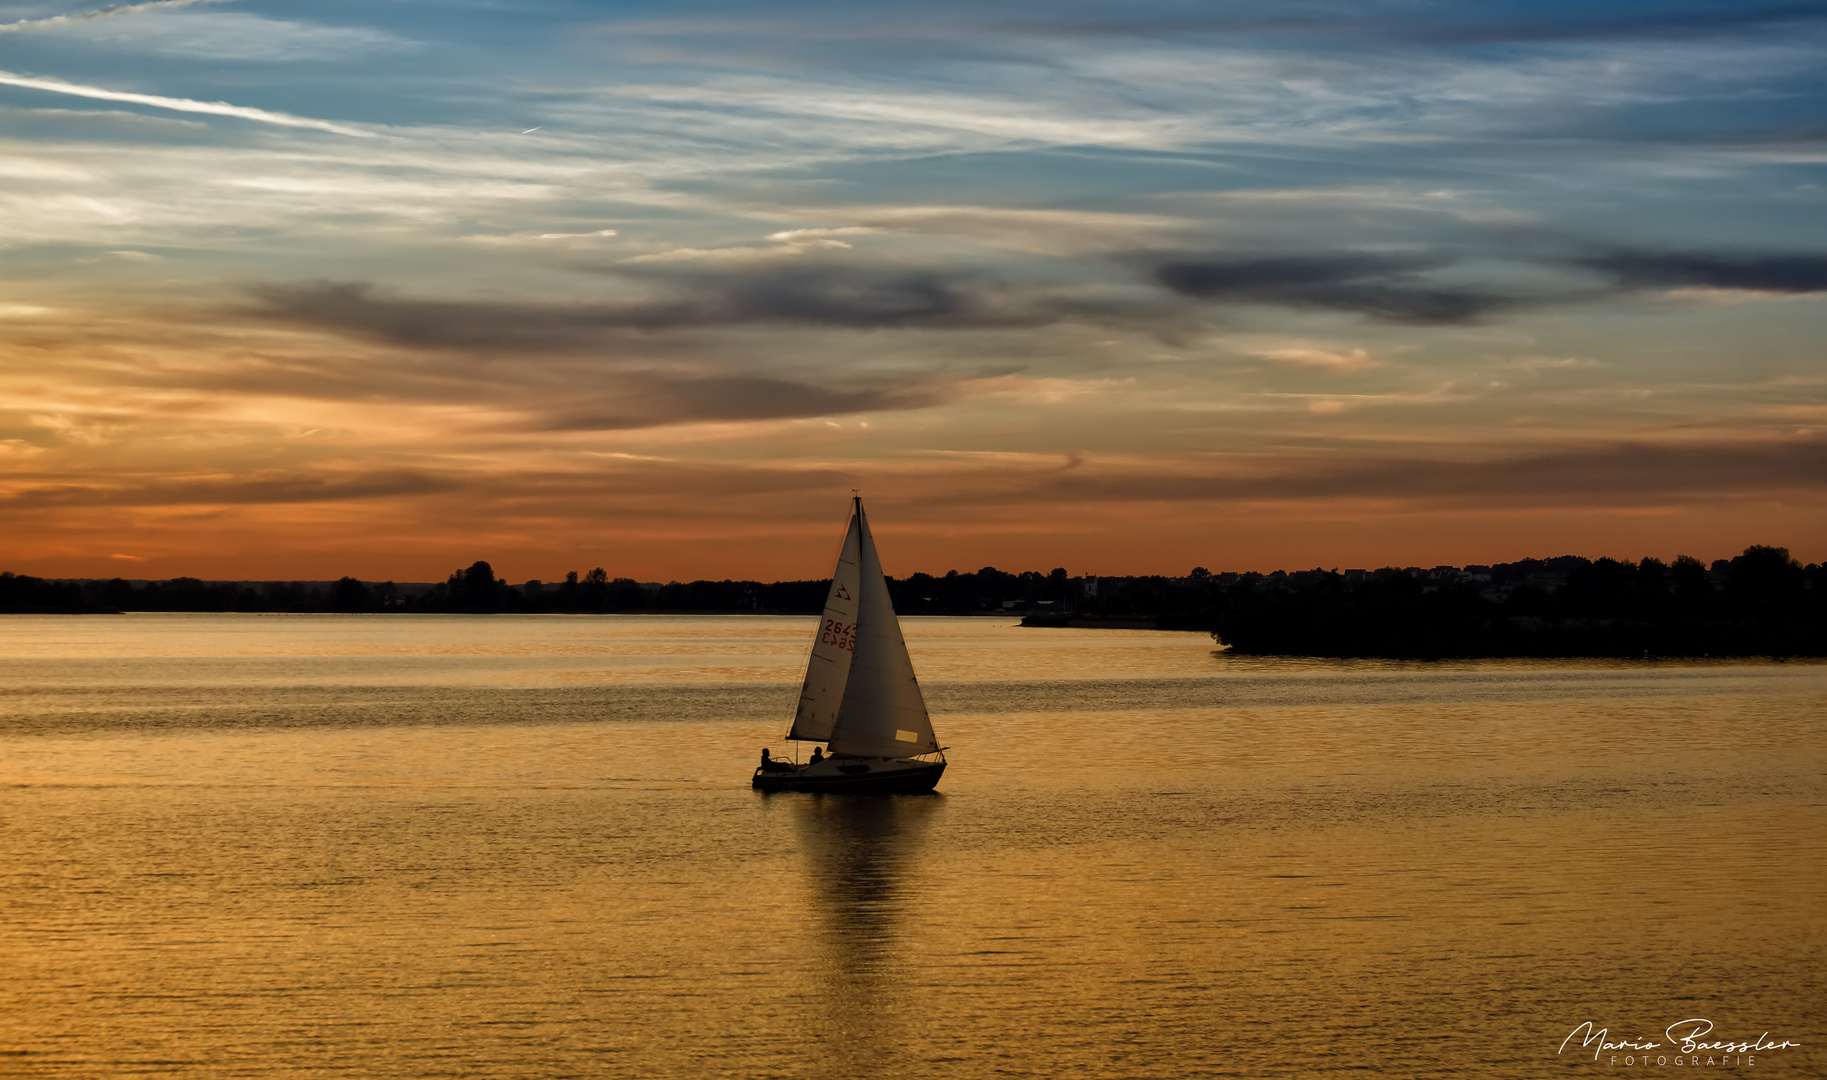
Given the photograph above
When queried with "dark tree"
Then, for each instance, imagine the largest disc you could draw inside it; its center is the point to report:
(1765, 579)
(596, 590)
(476, 589)
(350, 595)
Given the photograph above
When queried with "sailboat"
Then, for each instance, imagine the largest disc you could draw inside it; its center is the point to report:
(860, 697)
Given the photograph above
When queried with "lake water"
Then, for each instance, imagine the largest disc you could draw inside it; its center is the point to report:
(399, 846)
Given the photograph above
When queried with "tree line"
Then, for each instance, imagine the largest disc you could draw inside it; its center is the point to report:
(474, 589)
(1761, 603)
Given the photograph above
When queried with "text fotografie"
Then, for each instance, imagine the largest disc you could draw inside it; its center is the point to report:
(1683, 1036)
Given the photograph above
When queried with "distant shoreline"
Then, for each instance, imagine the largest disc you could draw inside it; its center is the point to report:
(1761, 603)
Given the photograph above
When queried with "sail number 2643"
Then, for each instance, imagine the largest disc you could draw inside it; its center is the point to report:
(843, 635)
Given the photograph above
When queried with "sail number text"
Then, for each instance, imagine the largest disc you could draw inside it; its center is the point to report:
(843, 635)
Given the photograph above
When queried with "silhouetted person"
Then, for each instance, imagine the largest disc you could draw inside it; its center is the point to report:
(818, 755)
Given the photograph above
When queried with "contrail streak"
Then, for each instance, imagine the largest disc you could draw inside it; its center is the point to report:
(53, 21)
(214, 108)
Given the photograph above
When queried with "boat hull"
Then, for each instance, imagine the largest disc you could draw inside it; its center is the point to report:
(887, 778)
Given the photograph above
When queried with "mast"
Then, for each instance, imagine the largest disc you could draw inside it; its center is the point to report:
(883, 713)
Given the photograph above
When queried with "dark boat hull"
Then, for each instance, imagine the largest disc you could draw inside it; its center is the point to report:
(919, 778)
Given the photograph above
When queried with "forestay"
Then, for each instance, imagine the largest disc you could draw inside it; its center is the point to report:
(829, 669)
(883, 713)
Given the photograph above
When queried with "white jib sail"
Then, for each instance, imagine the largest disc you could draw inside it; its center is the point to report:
(883, 713)
(829, 668)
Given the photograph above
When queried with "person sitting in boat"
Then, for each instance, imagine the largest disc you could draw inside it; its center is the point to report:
(768, 764)
(818, 755)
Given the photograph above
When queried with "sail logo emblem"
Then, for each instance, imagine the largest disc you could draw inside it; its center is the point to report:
(842, 593)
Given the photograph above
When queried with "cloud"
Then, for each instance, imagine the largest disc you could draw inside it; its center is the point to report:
(53, 22)
(986, 117)
(1653, 21)
(259, 486)
(802, 235)
(452, 371)
(1048, 231)
(715, 255)
(549, 241)
(1771, 273)
(1598, 476)
(1326, 359)
(692, 297)
(1626, 473)
(1385, 23)
(1394, 288)
(237, 36)
(791, 243)
(212, 108)
(1383, 287)
(640, 491)
(651, 399)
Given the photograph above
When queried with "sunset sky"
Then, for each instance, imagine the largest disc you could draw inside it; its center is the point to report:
(302, 290)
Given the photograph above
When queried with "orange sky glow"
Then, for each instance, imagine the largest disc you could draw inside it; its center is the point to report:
(657, 300)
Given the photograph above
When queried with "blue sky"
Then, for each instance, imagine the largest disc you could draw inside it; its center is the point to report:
(293, 289)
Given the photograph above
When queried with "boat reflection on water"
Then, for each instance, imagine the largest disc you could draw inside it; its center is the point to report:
(861, 856)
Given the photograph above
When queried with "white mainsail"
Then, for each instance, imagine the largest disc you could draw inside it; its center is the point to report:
(829, 669)
(882, 713)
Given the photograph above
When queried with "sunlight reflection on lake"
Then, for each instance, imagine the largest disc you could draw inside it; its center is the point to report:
(525, 847)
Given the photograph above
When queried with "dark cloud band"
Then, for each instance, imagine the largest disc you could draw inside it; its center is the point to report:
(850, 297)
(1396, 288)
(1777, 273)
(1381, 287)
(857, 296)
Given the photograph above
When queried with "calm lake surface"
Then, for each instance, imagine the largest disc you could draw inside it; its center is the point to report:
(400, 846)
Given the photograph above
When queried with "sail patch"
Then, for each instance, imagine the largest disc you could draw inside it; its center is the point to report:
(906, 736)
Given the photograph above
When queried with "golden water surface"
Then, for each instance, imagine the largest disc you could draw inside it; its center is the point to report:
(401, 846)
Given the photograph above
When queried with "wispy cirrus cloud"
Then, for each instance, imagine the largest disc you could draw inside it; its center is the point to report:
(54, 22)
(625, 402)
(236, 36)
(1338, 360)
(211, 108)
(239, 488)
